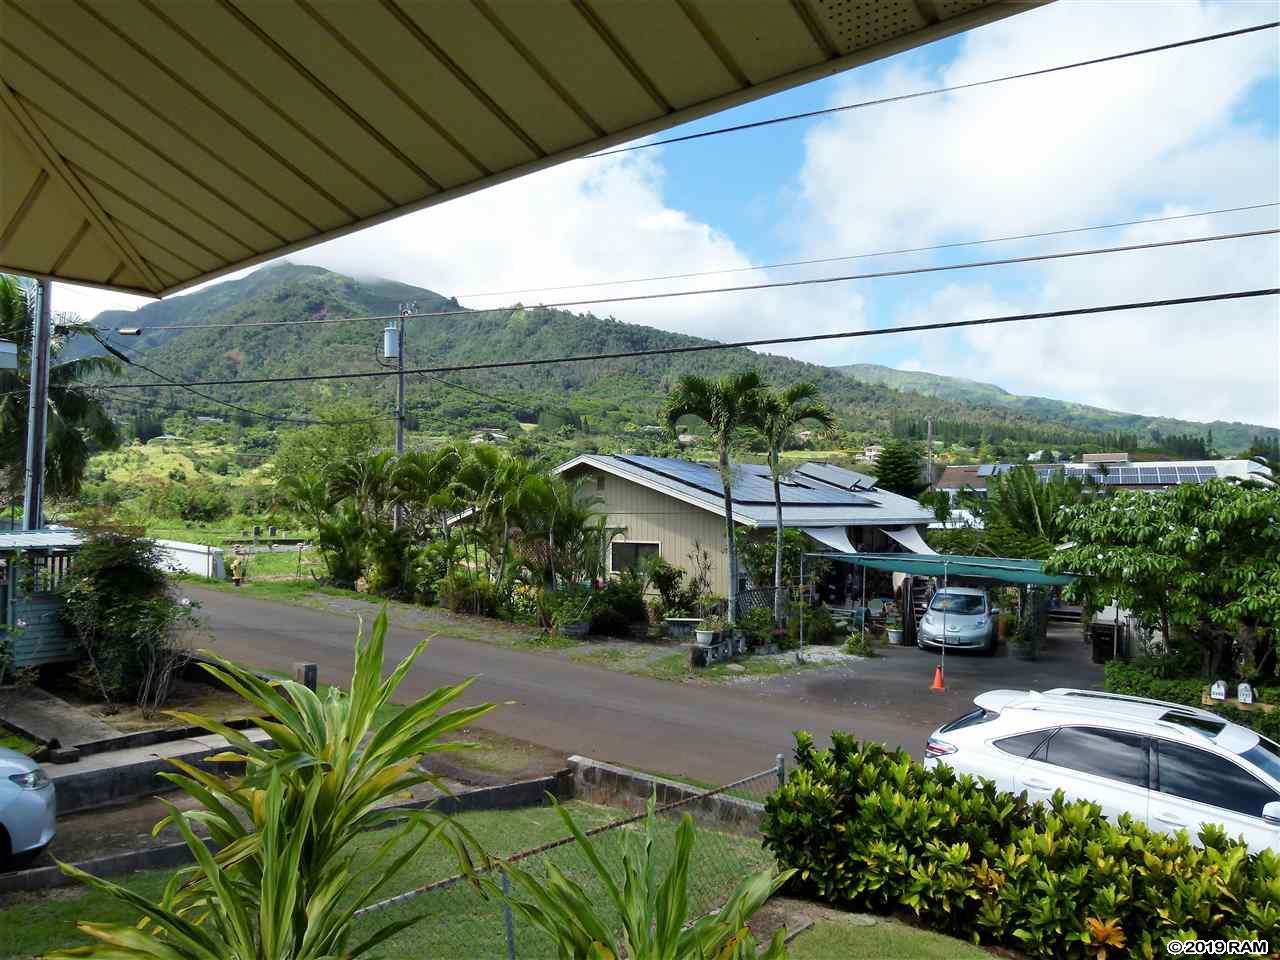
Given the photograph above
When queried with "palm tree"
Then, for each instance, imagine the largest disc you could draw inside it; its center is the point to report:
(1022, 514)
(726, 406)
(76, 418)
(777, 416)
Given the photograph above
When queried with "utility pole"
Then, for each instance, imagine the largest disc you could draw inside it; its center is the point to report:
(929, 446)
(38, 408)
(405, 310)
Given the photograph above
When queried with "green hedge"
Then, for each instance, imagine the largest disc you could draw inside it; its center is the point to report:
(1142, 680)
(873, 830)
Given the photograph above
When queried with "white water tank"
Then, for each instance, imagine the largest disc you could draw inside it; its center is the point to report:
(8, 355)
(390, 342)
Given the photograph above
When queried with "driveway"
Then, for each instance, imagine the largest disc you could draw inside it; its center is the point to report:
(709, 733)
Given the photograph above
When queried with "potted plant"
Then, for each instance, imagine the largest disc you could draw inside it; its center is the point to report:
(1020, 641)
(709, 630)
(893, 627)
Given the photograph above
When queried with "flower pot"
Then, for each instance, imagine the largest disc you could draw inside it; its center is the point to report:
(706, 638)
(895, 635)
(639, 631)
(578, 628)
(1022, 651)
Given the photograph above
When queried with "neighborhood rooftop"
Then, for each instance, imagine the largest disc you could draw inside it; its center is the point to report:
(813, 494)
(1137, 474)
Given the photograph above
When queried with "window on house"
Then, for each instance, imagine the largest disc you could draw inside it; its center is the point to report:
(627, 556)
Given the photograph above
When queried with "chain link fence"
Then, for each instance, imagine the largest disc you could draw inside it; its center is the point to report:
(458, 921)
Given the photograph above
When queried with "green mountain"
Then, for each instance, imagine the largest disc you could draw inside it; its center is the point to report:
(1229, 436)
(617, 398)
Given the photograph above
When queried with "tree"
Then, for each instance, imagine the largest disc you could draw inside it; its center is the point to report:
(1022, 514)
(777, 416)
(349, 430)
(898, 469)
(726, 405)
(1204, 558)
(77, 421)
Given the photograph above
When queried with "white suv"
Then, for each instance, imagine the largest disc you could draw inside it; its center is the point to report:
(1172, 766)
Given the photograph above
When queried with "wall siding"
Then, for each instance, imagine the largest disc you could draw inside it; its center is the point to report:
(652, 517)
(44, 639)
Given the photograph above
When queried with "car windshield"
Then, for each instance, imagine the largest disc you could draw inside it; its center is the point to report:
(1265, 756)
(961, 603)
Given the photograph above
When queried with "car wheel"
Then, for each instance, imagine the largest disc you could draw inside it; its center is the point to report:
(990, 649)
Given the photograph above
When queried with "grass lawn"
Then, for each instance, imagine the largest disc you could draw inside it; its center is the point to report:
(13, 741)
(676, 667)
(884, 939)
(457, 921)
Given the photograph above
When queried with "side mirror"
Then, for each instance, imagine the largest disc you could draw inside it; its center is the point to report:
(1271, 812)
(995, 611)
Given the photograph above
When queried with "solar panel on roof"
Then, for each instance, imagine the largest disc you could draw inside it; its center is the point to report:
(986, 470)
(749, 488)
(1129, 475)
(1207, 473)
(1168, 473)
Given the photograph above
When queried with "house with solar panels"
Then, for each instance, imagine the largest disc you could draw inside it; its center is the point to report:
(665, 507)
(1111, 472)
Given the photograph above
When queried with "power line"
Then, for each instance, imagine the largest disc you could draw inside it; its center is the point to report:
(826, 111)
(774, 285)
(867, 256)
(768, 341)
(121, 354)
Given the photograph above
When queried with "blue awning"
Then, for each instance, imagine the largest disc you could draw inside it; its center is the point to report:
(1004, 569)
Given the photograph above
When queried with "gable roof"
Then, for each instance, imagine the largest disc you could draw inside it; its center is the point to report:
(805, 502)
(149, 147)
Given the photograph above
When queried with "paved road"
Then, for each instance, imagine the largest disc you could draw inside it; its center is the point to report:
(711, 733)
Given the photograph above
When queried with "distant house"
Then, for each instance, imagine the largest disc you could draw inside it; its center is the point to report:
(1104, 458)
(1123, 475)
(1039, 455)
(490, 436)
(662, 507)
(872, 452)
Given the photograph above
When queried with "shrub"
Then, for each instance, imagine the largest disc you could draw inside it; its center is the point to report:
(872, 829)
(861, 645)
(127, 623)
(626, 597)
(1141, 679)
(569, 604)
(610, 622)
(757, 624)
(819, 628)
(465, 592)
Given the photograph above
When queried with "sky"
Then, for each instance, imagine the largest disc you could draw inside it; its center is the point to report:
(1175, 133)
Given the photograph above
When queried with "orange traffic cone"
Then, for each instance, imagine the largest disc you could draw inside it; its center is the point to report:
(937, 679)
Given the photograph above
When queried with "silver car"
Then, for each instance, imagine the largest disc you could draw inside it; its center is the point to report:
(958, 617)
(27, 807)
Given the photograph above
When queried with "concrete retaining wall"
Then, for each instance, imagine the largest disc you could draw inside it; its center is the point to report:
(193, 558)
(606, 784)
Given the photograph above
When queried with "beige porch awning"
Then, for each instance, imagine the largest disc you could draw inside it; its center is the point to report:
(149, 146)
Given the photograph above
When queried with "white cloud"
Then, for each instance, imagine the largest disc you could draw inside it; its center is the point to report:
(1152, 135)
(1099, 144)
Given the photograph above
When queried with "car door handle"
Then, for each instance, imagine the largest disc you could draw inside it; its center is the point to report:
(1038, 784)
(1171, 818)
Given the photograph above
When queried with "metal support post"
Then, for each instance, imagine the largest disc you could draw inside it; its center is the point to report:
(782, 770)
(507, 922)
(404, 310)
(38, 408)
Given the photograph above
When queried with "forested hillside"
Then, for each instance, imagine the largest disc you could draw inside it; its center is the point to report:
(599, 397)
(1227, 436)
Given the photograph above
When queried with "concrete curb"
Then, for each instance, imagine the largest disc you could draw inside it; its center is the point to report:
(604, 783)
(98, 785)
(511, 796)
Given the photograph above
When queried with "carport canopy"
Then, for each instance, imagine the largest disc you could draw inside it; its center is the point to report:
(152, 146)
(1004, 569)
